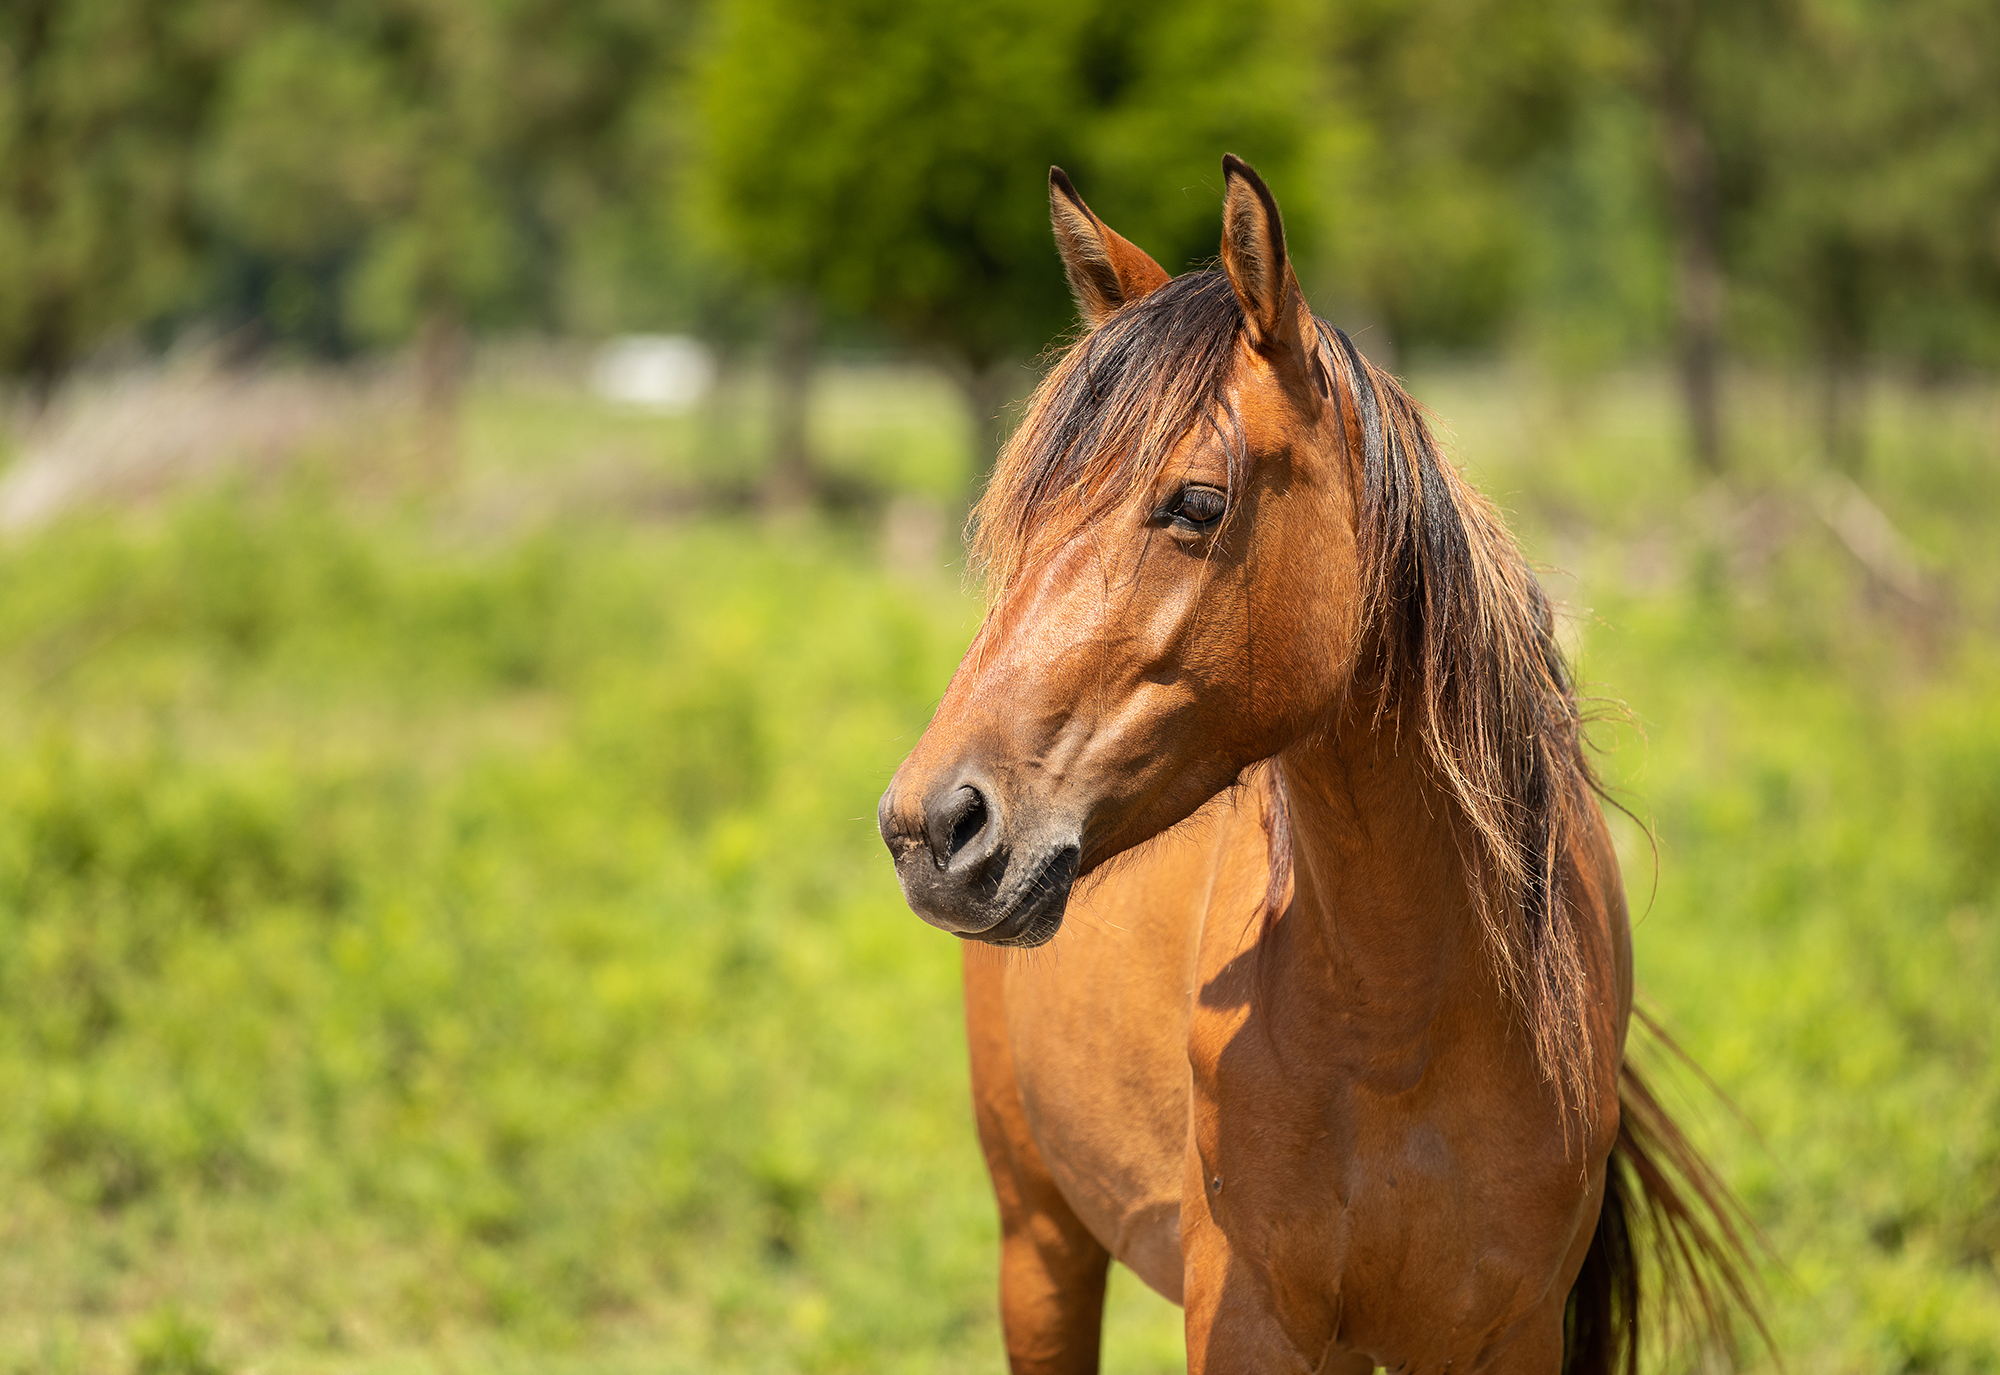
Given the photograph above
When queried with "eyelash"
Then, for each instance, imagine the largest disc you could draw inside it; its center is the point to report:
(1173, 514)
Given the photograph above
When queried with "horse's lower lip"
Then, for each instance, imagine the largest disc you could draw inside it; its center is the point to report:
(1037, 917)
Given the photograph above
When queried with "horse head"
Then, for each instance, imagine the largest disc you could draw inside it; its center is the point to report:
(1175, 587)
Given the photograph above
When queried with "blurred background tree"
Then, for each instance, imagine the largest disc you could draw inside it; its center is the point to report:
(1691, 62)
(1874, 137)
(104, 107)
(1443, 110)
(383, 171)
(890, 160)
(1613, 178)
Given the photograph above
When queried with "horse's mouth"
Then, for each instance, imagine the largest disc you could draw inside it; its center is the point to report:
(1038, 914)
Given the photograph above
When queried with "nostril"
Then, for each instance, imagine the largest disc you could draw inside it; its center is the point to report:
(956, 823)
(971, 821)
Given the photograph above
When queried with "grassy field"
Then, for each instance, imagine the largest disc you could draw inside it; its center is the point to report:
(450, 935)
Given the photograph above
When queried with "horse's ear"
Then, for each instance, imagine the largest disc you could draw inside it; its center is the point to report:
(1106, 270)
(1253, 254)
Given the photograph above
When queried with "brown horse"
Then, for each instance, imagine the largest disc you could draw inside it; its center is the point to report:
(1331, 1050)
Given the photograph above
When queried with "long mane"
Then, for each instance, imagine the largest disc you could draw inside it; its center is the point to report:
(1465, 639)
(1462, 634)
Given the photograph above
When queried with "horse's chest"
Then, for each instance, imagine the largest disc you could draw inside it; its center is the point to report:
(1408, 1223)
(1098, 1042)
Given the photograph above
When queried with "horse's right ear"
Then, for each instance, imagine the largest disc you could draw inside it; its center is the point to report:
(1253, 254)
(1106, 270)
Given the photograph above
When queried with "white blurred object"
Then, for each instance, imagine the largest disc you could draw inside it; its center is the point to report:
(662, 372)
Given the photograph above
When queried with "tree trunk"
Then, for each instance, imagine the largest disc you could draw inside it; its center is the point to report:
(1843, 407)
(1841, 303)
(442, 351)
(29, 182)
(47, 354)
(1695, 216)
(789, 482)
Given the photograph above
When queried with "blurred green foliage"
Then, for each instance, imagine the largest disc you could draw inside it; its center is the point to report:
(412, 158)
(1445, 125)
(427, 944)
(1595, 178)
(514, 910)
(168, 1344)
(1867, 157)
(893, 158)
(338, 174)
(100, 119)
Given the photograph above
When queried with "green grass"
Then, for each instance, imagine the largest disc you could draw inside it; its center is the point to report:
(433, 941)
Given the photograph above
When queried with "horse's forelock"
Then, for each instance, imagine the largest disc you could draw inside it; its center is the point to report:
(1108, 416)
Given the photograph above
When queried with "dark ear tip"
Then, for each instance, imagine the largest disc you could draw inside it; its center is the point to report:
(1059, 181)
(1233, 166)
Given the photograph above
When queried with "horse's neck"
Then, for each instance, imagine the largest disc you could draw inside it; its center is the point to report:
(1381, 930)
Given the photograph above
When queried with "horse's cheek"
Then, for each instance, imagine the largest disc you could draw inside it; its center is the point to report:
(1302, 621)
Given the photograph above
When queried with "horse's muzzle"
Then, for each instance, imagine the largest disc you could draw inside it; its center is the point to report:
(964, 872)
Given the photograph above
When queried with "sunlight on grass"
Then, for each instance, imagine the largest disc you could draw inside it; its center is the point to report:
(433, 943)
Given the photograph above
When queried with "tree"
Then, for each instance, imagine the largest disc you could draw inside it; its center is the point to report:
(890, 157)
(1676, 47)
(361, 173)
(101, 102)
(1877, 231)
(1833, 167)
(399, 168)
(1439, 109)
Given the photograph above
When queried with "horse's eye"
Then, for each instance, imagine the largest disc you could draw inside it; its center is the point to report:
(1200, 507)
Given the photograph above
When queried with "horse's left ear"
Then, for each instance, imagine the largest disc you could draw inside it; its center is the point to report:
(1253, 254)
(1106, 269)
